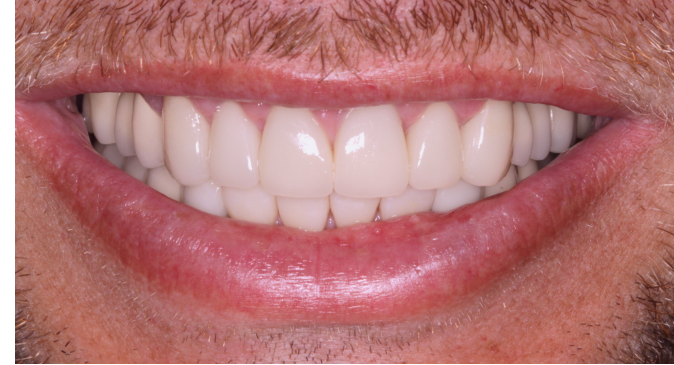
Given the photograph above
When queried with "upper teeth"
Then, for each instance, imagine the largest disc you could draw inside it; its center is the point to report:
(226, 166)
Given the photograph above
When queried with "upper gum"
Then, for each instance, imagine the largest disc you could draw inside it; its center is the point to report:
(331, 119)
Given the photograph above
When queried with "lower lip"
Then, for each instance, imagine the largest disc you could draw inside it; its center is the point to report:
(411, 266)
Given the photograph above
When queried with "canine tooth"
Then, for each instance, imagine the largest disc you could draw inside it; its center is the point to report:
(161, 180)
(349, 211)
(540, 122)
(309, 214)
(133, 167)
(124, 124)
(371, 154)
(523, 135)
(487, 144)
(462, 193)
(562, 127)
(111, 153)
(235, 144)
(103, 108)
(507, 183)
(186, 141)
(295, 155)
(434, 148)
(86, 112)
(584, 125)
(148, 132)
(251, 205)
(527, 170)
(409, 202)
(206, 197)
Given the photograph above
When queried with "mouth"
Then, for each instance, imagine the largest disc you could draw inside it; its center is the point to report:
(335, 210)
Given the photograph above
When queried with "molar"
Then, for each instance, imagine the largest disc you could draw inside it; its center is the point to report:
(124, 125)
(112, 154)
(540, 121)
(523, 135)
(133, 167)
(562, 129)
(103, 109)
(584, 125)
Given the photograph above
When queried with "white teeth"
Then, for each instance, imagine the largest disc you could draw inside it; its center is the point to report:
(235, 143)
(584, 125)
(148, 132)
(349, 211)
(540, 121)
(434, 148)
(487, 144)
(409, 202)
(371, 154)
(161, 180)
(523, 135)
(507, 183)
(124, 125)
(309, 214)
(111, 153)
(462, 193)
(133, 167)
(206, 197)
(251, 205)
(295, 155)
(103, 108)
(563, 133)
(527, 170)
(86, 112)
(289, 174)
(186, 141)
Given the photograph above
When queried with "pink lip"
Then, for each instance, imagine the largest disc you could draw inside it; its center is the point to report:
(411, 266)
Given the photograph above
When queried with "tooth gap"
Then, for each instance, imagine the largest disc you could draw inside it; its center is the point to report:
(369, 164)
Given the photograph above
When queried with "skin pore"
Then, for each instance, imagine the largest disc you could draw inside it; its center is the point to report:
(584, 296)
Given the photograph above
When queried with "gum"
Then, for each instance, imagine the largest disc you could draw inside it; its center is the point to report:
(331, 119)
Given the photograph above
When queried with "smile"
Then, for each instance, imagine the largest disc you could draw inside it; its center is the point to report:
(407, 208)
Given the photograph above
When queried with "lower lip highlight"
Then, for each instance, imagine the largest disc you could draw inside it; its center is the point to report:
(407, 267)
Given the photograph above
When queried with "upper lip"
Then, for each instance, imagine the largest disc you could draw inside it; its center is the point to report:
(405, 267)
(288, 86)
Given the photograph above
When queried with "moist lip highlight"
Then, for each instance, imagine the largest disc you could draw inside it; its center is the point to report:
(406, 267)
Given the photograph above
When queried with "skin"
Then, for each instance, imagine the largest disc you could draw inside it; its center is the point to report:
(568, 301)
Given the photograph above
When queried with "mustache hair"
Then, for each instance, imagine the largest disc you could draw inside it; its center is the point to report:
(626, 42)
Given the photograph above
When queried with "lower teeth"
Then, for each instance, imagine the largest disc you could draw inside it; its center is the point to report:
(378, 171)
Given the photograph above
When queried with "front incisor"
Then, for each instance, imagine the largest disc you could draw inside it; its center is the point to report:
(371, 154)
(295, 155)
